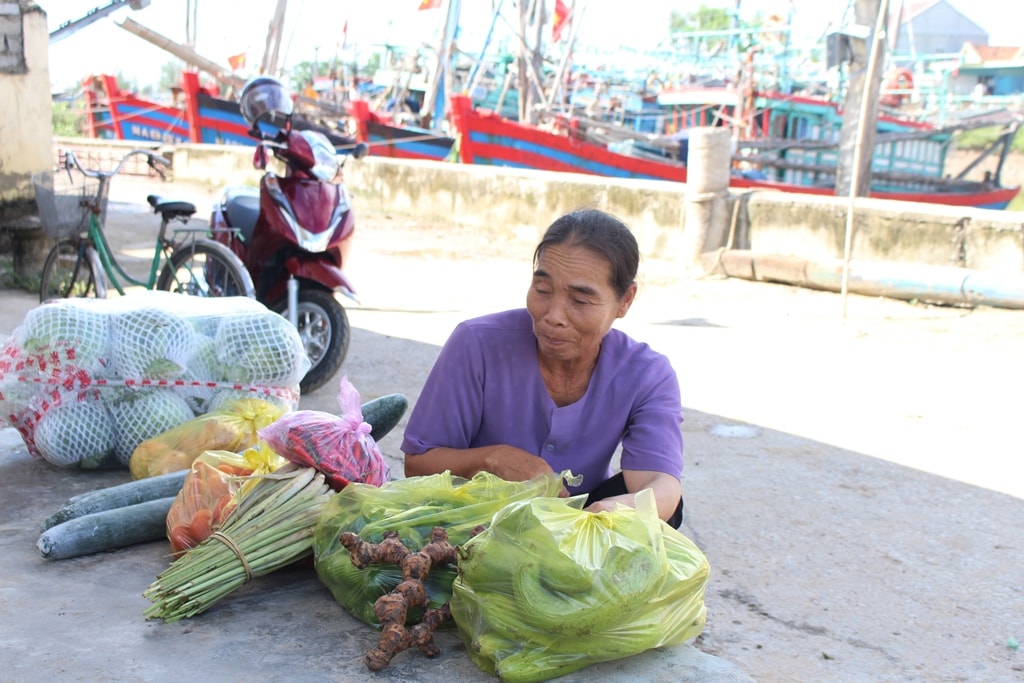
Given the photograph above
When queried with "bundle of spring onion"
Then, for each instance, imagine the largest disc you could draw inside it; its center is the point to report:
(271, 528)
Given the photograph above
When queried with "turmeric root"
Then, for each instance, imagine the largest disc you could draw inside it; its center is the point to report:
(392, 609)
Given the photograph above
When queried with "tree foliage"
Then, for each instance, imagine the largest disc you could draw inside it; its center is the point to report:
(67, 120)
(170, 75)
(706, 19)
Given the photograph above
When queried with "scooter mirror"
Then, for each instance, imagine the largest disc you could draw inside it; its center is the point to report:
(361, 150)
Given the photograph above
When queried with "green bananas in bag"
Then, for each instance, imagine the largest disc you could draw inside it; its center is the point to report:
(548, 589)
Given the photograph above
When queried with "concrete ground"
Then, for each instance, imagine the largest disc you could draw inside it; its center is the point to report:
(855, 483)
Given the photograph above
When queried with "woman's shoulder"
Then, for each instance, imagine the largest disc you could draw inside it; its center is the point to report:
(625, 352)
(502, 321)
(621, 344)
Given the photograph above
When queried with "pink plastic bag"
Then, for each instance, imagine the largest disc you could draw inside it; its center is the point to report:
(338, 446)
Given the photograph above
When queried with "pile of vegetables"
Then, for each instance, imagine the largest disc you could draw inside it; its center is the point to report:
(85, 381)
(184, 506)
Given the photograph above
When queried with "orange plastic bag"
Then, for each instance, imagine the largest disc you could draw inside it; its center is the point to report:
(231, 428)
(211, 491)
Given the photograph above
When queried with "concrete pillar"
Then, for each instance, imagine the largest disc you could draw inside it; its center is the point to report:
(26, 117)
(26, 130)
(708, 162)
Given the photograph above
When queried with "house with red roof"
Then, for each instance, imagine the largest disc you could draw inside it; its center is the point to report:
(933, 33)
(999, 69)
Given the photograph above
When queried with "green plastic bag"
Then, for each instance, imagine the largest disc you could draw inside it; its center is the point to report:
(412, 507)
(548, 589)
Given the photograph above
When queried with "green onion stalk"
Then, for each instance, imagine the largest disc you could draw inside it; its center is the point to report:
(271, 527)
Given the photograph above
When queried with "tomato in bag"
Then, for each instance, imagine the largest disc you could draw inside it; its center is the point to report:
(338, 446)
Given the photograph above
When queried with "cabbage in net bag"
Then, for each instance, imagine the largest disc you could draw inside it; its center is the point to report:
(411, 507)
(84, 381)
(548, 589)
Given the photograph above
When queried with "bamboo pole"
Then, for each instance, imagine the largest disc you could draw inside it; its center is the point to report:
(865, 106)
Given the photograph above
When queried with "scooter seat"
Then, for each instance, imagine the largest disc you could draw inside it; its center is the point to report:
(171, 208)
(242, 206)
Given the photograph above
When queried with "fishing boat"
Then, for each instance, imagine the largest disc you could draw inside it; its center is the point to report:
(114, 114)
(907, 166)
(198, 115)
(388, 139)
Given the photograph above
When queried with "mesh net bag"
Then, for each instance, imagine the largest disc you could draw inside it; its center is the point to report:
(74, 336)
(78, 434)
(85, 381)
(141, 414)
(260, 349)
(150, 343)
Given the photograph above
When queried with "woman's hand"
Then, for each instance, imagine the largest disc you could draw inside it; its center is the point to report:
(667, 492)
(513, 464)
(609, 504)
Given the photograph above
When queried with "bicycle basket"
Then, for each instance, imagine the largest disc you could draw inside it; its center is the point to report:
(59, 199)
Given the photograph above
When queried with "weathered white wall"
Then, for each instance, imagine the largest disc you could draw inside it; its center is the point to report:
(26, 114)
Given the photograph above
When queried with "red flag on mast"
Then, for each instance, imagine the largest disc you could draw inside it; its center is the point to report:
(562, 14)
(430, 4)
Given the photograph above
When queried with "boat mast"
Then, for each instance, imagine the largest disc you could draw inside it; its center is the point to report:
(274, 33)
(860, 111)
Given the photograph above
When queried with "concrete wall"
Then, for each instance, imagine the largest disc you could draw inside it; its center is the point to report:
(926, 234)
(26, 116)
(772, 223)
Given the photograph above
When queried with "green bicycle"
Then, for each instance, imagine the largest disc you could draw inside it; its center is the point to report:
(72, 210)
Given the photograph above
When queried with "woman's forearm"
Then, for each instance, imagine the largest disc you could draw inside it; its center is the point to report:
(667, 489)
(508, 462)
(460, 462)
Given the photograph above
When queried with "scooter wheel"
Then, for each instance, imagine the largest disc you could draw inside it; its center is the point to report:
(324, 330)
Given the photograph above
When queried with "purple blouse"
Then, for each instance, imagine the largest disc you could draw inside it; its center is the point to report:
(486, 389)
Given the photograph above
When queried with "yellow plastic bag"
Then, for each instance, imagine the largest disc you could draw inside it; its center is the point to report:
(231, 428)
(211, 491)
(548, 589)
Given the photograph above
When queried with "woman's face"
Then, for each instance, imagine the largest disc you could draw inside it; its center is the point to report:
(572, 303)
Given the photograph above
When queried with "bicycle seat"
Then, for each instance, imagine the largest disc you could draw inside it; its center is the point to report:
(170, 208)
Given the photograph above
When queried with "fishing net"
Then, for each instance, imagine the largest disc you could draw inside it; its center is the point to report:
(85, 381)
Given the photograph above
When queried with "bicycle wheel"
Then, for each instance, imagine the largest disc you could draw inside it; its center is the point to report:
(67, 272)
(206, 268)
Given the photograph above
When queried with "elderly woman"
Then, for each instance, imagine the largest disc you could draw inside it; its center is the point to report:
(553, 387)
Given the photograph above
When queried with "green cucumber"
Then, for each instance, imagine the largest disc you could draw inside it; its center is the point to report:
(106, 530)
(382, 414)
(113, 497)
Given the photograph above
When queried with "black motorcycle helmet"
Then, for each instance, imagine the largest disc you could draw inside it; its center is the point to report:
(264, 99)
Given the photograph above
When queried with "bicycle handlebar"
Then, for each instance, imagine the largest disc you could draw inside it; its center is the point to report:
(71, 161)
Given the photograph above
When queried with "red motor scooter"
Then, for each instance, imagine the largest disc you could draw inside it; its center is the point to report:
(294, 232)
